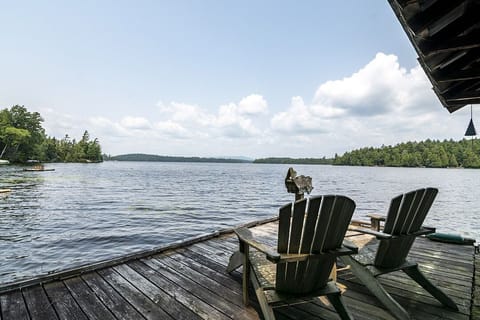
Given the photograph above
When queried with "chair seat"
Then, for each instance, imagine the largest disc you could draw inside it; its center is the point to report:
(264, 269)
(366, 252)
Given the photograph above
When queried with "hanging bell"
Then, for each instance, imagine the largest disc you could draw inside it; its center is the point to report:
(471, 129)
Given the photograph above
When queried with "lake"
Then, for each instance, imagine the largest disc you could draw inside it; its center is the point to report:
(83, 213)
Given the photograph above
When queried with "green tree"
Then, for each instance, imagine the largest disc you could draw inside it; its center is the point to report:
(452, 161)
(21, 133)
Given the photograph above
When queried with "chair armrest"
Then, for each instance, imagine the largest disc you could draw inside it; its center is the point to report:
(376, 216)
(345, 250)
(342, 251)
(379, 235)
(245, 235)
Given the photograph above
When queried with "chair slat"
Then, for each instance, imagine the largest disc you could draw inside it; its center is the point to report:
(298, 217)
(428, 198)
(341, 215)
(284, 219)
(416, 202)
(311, 218)
(403, 212)
(392, 214)
(310, 224)
(322, 223)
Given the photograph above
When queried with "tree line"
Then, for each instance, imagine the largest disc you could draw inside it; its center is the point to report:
(157, 158)
(428, 153)
(23, 138)
(282, 160)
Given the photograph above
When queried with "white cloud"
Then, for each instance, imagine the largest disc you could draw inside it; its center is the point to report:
(231, 120)
(137, 123)
(253, 104)
(172, 129)
(381, 103)
(299, 118)
(380, 87)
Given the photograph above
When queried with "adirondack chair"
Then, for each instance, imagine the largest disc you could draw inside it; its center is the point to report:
(310, 235)
(403, 224)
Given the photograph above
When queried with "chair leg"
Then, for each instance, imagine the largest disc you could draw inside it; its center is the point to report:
(267, 309)
(367, 278)
(337, 302)
(415, 273)
(246, 275)
(236, 261)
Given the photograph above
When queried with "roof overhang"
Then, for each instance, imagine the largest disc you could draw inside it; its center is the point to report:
(446, 36)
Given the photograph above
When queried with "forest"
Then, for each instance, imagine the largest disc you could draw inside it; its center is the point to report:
(281, 160)
(428, 153)
(23, 138)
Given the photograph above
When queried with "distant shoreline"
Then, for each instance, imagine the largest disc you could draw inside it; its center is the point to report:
(156, 158)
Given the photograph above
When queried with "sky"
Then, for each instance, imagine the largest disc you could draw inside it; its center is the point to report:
(220, 78)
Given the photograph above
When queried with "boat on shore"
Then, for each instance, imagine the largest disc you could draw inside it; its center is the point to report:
(3, 161)
(38, 167)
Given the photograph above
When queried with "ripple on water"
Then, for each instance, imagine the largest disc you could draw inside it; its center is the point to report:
(87, 213)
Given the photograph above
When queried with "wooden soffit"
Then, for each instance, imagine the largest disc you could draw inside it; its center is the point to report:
(446, 36)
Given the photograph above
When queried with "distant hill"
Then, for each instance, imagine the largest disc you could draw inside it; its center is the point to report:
(295, 161)
(157, 158)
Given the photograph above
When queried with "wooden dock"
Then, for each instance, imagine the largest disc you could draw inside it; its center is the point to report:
(187, 280)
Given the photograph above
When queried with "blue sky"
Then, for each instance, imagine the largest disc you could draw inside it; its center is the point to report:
(220, 78)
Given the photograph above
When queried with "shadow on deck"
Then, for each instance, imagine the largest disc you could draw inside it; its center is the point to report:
(188, 281)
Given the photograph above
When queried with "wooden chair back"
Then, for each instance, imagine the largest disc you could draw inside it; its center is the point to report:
(314, 226)
(405, 216)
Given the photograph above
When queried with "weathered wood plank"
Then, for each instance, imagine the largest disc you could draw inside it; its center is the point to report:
(412, 303)
(422, 311)
(476, 290)
(135, 297)
(228, 294)
(216, 298)
(206, 260)
(373, 306)
(313, 310)
(186, 297)
(414, 290)
(12, 306)
(87, 300)
(221, 277)
(38, 305)
(175, 309)
(219, 256)
(461, 291)
(63, 302)
(110, 297)
(447, 249)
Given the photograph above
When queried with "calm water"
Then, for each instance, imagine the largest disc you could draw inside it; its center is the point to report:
(83, 213)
